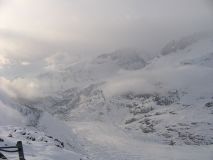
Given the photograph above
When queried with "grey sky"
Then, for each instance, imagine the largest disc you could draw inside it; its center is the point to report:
(31, 30)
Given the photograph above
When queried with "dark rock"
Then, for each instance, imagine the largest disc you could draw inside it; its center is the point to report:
(171, 129)
(130, 120)
(59, 144)
(158, 113)
(141, 110)
(172, 112)
(50, 137)
(209, 104)
(23, 133)
(10, 135)
(30, 138)
(148, 129)
(163, 101)
(172, 143)
(194, 123)
(166, 135)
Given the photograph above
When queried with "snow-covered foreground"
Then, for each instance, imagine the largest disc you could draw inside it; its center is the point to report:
(107, 142)
(118, 107)
(34, 150)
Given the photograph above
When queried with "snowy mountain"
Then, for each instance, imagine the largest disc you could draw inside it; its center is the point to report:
(119, 106)
(92, 71)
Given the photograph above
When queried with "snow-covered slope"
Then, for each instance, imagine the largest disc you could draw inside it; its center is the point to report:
(170, 98)
(22, 123)
(91, 71)
(117, 106)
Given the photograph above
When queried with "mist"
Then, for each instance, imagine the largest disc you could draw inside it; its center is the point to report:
(34, 35)
(45, 27)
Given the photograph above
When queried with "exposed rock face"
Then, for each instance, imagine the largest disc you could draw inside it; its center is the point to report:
(209, 104)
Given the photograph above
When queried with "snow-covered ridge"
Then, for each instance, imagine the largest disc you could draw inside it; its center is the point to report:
(36, 144)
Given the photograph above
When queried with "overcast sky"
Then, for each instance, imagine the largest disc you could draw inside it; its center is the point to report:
(32, 30)
(37, 35)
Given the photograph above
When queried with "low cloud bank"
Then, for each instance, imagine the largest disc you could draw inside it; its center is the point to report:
(197, 80)
(3, 61)
(20, 88)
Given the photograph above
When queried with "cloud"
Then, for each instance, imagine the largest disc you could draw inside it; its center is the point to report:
(100, 24)
(161, 81)
(1, 3)
(20, 88)
(21, 46)
(3, 61)
(61, 60)
(24, 63)
(78, 27)
(120, 86)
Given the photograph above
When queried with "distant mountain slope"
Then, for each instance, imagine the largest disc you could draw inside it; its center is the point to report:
(128, 60)
(93, 71)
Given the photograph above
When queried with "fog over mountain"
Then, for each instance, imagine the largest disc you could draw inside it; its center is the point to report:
(91, 27)
(36, 36)
(107, 79)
